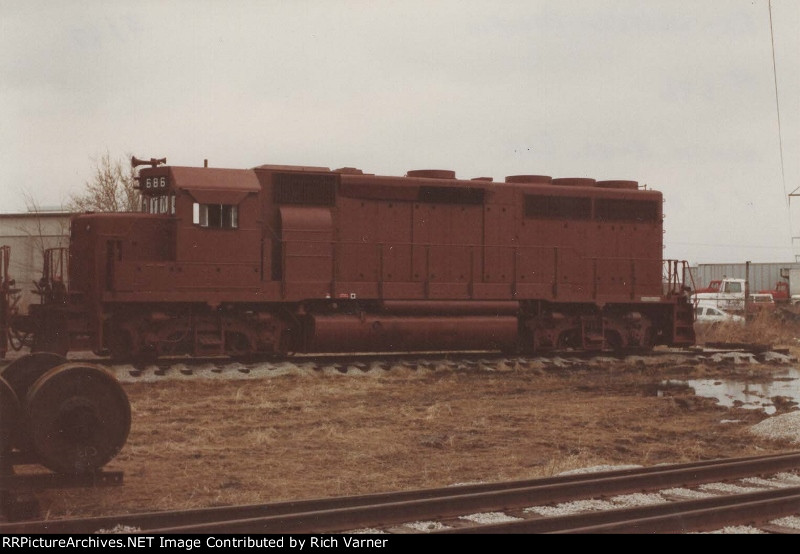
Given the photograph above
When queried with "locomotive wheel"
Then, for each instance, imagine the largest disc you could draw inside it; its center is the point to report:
(613, 341)
(78, 418)
(571, 338)
(9, 417)
(23, 372)
(237, 344)
(174, 343)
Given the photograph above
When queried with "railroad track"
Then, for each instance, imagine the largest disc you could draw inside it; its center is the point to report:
(184, 367)
(761, 492)
(221, 367)
(225, 368)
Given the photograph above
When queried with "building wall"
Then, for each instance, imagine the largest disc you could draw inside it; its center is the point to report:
(763, 276)
(28, 235)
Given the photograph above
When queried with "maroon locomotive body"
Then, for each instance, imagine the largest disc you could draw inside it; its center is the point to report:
(288, 259)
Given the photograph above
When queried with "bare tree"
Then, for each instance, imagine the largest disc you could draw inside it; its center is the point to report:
(111, 188)
(43, 232)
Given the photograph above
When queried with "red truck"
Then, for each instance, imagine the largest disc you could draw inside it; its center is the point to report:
(713, 286)
(780, 293)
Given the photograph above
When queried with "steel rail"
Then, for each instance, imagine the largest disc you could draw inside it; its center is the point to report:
(450, 357)
(336, 520)
(334, 514)
(706, 514)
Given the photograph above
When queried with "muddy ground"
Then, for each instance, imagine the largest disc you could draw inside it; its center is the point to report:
(202, 442)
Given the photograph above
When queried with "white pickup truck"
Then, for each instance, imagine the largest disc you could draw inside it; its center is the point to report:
(727, 294)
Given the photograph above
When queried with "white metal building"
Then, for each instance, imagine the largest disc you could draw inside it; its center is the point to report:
(29, 234)
(762, 276)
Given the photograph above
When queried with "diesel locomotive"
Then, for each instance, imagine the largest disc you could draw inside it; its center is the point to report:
(283, 259)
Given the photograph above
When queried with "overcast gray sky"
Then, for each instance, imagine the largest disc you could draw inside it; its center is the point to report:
(675, 94)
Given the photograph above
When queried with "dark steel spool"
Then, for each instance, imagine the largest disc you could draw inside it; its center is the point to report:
(78, 418)
(23, 372)
(9, 417)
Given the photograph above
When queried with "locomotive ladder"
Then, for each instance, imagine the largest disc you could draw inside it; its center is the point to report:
(675, 276)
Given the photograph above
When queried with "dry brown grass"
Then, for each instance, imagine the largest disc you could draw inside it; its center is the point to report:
(778, 328)
(210, 442)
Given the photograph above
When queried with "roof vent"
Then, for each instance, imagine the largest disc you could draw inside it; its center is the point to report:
(349, 171)
(432, 173)
(528, 179)
(574, 182)
(631, 185)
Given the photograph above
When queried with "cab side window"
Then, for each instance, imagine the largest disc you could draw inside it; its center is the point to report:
(215, 216)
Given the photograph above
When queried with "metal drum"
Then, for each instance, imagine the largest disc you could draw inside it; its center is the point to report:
(24, 372)
(77, 418)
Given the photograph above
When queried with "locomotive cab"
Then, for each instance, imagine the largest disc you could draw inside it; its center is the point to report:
(204, 222)
(214, 210)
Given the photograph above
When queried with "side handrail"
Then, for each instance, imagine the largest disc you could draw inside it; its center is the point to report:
(52, 287)
(675, 272)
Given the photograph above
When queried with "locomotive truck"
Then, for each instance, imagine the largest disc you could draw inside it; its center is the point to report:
(282, 259)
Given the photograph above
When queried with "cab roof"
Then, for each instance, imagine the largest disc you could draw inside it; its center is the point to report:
(213, 185)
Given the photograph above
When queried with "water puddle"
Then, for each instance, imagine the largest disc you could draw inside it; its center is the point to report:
(747, 394)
